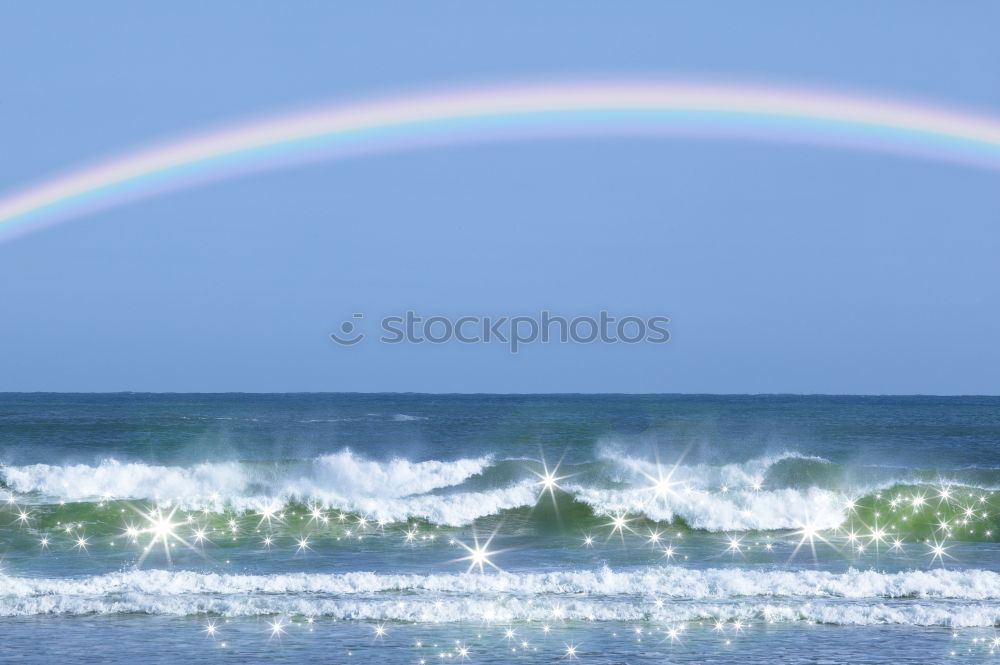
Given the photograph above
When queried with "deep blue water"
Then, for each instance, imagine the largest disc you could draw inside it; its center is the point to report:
(344, 528)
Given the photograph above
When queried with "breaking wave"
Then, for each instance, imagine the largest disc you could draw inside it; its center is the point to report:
(333, 476)
(769, 493)
(939, 597)
(664, 582)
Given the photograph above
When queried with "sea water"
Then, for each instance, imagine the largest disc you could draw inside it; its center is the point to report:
(498, 528)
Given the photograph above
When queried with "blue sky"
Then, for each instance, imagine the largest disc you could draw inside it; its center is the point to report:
(783, 268)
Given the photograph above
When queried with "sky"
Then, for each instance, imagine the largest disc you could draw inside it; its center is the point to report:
(783, 268)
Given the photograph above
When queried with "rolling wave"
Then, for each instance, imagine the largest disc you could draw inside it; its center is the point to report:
(939, 597)
(777, 492)
(325, 478)
(663, 582)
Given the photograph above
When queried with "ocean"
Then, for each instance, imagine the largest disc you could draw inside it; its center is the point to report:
(418, 529)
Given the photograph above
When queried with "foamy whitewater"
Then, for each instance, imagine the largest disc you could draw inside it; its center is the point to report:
(643, 528)
(398, 490)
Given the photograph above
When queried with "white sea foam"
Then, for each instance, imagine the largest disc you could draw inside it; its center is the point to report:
(742, 475)
(456, 509)
(695, 494)
(939, 597)
(127, 480)
(398, 489)
(509, 610)
(665, 582)
(735, 511)
(350, 475)
(341, 480)
(343, 473)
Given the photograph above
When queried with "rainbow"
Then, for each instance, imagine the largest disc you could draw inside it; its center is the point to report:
(524, 112)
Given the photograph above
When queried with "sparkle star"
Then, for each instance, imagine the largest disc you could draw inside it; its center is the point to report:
(877, 535)
(210, 629)
(549, 481)
(662, 485)
(277, 627)
(808, 534)
(619, 524)
(479, 555)
(163, 530)
(938, 552)
(268, 512)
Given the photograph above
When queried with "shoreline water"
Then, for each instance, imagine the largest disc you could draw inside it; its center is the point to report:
(637, 528)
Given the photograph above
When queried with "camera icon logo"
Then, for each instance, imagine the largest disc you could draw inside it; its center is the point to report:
(347, 329)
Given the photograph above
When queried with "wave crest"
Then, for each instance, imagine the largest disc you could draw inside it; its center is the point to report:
(726, 594)
(785, 491)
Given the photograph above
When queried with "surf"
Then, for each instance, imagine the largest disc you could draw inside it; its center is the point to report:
(786, 491)
(669, 593)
